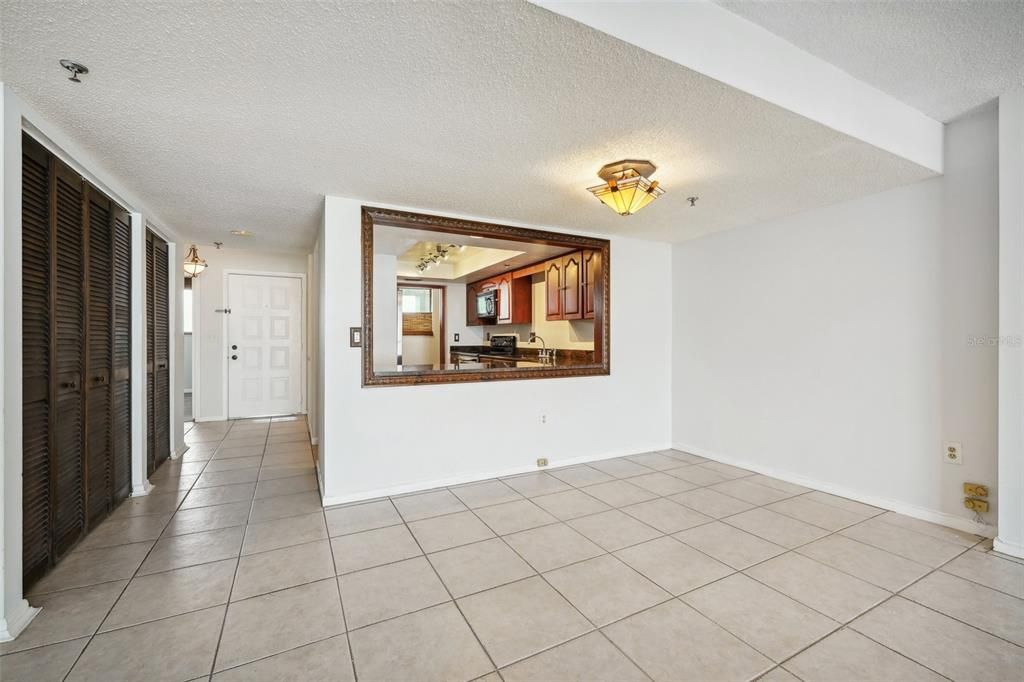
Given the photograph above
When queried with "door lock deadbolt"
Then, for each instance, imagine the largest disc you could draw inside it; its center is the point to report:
(234, 347)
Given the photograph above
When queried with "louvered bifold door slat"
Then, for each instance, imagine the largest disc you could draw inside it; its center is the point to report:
(67, 304)
(36, 337)
(121, 353)
(99, 247)
(150, 435)
(161, 352)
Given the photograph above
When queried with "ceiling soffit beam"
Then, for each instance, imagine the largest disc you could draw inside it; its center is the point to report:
(710, 40)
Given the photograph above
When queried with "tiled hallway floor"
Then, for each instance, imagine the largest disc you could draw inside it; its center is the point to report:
(661, 566)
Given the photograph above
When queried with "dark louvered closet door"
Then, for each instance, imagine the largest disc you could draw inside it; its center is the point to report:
(68, 359)
(161, 353)
(99, 464)
(121, 353)
(35, 320)
(150, 365)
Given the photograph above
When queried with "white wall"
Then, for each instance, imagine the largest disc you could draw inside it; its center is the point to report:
(209, 400)
(837, 346)
(390, 439)
(1011, 323)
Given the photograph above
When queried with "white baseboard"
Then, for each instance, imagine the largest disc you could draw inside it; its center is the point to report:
(209, 419)
(143, 490)
(1012, 548)
(461, 479)
(17, 620)
(898, 506)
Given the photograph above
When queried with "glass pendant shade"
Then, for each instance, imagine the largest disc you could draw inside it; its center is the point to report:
(193, 264)
(627, 193)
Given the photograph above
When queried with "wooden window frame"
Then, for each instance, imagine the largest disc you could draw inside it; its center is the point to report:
(373, 216)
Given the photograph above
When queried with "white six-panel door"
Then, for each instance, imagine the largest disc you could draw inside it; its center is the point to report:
(264, 353)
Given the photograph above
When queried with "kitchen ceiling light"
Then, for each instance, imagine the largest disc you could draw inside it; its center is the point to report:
(241, 233)
(627, 186)
(193, 263)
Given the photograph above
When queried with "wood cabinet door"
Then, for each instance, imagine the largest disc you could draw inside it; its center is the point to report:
(68, 306)
(553, 289)
(504, 286)
(99, 249)
(591, 282)
(572, 277)
(37, 336)
(121, 354)
(472, 319)
(161, 354)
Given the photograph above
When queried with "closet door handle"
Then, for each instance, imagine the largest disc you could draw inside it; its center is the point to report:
(69, 384)
(162, 365)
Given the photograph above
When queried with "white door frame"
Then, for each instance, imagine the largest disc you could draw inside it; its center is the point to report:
(301, 276)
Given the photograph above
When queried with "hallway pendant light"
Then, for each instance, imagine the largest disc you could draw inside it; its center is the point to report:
(193, 263)
(627, 186)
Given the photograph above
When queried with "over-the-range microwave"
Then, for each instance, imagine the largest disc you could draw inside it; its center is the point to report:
(487, 303)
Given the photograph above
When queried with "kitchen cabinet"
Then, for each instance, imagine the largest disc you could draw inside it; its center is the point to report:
(472, 319)
(563, 284)
(572, 279)
(553, 288)
(591, 284)
(515, 299)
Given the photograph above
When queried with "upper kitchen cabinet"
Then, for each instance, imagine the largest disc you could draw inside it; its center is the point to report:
(591, 282)
(553, 288)
(515, 299)
(472, 318)
(564, 287)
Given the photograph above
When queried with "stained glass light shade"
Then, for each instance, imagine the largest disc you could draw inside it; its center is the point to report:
(627, 191)
(193, 263)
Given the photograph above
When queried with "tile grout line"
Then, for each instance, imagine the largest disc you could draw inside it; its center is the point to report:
(595, 627)
(451, 597)
(135, 573)
(234, 576)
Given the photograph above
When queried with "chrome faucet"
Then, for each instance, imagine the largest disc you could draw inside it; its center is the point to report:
(543, 346)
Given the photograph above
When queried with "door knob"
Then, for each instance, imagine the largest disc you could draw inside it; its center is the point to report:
(233, 347)
(234, 357)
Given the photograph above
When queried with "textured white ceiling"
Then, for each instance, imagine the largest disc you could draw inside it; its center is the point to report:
(943, 57)
(227, 115)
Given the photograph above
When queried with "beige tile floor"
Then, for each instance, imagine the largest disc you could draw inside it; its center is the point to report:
(660, 566)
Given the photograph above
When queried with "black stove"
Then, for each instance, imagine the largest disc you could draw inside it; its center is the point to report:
(503, 344)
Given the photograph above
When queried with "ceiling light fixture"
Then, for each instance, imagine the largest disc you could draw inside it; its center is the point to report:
(440, 253)
(194, 265)
(627, 187)
(75, 69)
(241, 233)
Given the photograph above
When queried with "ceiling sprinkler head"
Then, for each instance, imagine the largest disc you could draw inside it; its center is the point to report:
(75, 69)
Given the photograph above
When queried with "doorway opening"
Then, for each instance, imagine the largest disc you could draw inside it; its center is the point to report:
(421, 321)
(188, 354)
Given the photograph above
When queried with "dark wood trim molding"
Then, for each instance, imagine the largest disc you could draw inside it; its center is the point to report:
(372, 216)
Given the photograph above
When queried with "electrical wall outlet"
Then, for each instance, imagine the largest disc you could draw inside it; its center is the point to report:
(543, 419)
(975, 490)
(954, 453)
(980, 506)
(542, 461)
(456, 336)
